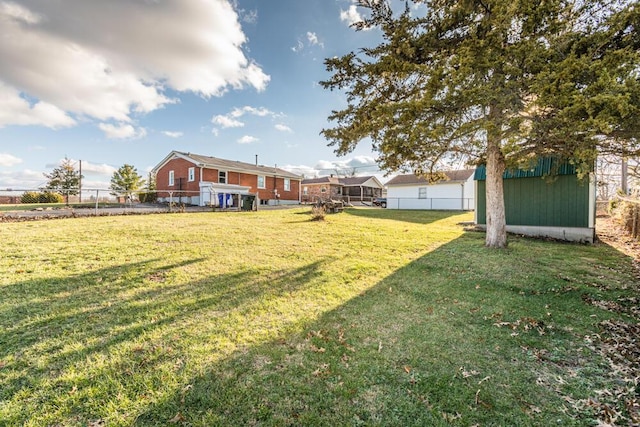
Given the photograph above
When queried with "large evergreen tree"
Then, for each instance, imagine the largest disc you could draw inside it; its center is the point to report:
(498, 82)
(126, 180)
(64, 179)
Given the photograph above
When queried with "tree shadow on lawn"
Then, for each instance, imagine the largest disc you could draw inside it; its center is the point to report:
(450, 338)
(414, 216)
(47, 343)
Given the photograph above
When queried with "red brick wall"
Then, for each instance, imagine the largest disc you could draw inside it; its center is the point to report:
(10, 200)
(181, 170)
(268, 193)
(314, 192)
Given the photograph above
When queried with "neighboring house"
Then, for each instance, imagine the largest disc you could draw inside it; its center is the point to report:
(10, 200)
(455, 192)
(326, 187)
(363, 188)
(359, 188)
(538, 204)
(209, 181)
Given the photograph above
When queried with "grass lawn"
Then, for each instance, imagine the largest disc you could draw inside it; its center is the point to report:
(371, 317)
(55, 206)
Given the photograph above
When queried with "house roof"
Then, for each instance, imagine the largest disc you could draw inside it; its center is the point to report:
(412, 179)
(355, 181)
(229, 165)
(322, 180)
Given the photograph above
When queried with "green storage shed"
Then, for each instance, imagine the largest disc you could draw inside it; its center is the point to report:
(546, 200)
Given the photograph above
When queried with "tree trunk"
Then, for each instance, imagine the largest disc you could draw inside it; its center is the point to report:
(496, 221)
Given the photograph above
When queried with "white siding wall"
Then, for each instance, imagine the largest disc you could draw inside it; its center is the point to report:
(446, 196)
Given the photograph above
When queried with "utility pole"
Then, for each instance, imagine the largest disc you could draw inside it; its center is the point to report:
(80, 182)
(625, 174)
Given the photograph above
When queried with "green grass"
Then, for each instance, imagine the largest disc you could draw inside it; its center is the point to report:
(49, 206)
(370, 317)
(30, 206)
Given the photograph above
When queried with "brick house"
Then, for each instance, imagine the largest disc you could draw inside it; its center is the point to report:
(360, 188)
(326, 187)
(210, 181)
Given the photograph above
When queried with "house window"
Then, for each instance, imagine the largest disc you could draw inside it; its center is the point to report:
(171, 178)
(287, 184)
(192, 174)
(261, 182)
(305, 191)
(422, 192)
(323, 189)
(222, 177)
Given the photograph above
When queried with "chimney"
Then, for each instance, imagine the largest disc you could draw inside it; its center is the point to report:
(256, 160)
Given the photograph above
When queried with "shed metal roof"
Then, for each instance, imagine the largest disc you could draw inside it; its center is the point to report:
(544, 167)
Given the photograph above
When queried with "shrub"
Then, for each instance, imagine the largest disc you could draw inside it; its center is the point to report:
(317, 213)
(30, 197)
(627, 213)
(49, 197)
(41, 197)
(148, 197)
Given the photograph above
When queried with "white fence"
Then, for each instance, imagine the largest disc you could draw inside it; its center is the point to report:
(466, 204)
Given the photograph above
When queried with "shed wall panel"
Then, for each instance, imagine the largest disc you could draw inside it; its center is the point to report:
(562, 202)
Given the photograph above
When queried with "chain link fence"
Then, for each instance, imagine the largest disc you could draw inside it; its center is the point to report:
(25, 203)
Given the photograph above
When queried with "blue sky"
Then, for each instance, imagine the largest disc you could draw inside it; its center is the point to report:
(127, 81)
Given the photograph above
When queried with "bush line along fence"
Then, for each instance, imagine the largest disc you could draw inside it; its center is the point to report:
(627, 210)
(86, 195)
(93, 201)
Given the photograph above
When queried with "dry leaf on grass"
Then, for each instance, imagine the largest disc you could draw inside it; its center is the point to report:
(178, 418)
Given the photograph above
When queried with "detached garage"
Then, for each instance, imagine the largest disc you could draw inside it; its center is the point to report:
(454, 192)
(547, 200)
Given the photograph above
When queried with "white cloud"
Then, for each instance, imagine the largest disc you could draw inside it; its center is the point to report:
(230, 120)
(15, 110)
(358, 161)
(261, 112)
(363, 165)
(120, 64)
(283, 128)
(98, 169)
(351, 16)
(298, 47)
(247, 139)
(306, 171)
(24, 179)
(18, 13)
(226, 122)
(250, 17)
(88, 184)
(324, 165)
(172, 134)
(8, 160)
(122, 131)
(313, 39)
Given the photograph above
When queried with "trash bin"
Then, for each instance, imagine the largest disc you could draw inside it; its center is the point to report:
(247, 202)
